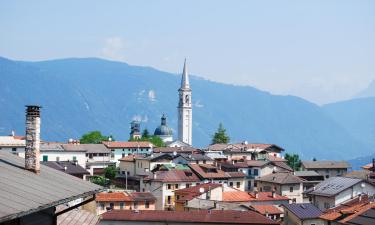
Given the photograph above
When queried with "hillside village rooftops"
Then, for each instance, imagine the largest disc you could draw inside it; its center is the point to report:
(89, 148)
(257, 147)
(24, 192)
(201, 216)
(175, 176)
(183, 149)
(208, 171)
(325, 164)
(333, 186)
(127, 144)
(280, 178)
(303, 210)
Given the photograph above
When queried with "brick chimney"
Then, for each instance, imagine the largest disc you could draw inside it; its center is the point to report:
(32, 153)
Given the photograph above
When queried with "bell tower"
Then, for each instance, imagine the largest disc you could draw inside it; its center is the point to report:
(185, 112)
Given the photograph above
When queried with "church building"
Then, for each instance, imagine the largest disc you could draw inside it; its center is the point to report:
(185, 113)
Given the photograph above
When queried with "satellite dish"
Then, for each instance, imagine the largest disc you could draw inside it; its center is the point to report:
(363, 185)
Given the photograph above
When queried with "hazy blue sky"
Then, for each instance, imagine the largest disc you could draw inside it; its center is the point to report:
(320, 50)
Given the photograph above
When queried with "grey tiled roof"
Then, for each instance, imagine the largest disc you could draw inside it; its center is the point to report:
(304, 210)
(280, 178)
(306, 173)
(333, 186)
(23, 192)
(89, 148)
(325, 164)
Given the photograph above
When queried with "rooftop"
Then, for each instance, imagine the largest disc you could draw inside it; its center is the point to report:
(325, 164)
(202, 216)
(127, 144)
(208, 171)
(333, 186)
(175, 176)
(68, 167)
(113, 197)
(184, 149)
(267, 209)
(280, 178)
(236, 196)
(24, 192)
(303, 210)
(89, 148)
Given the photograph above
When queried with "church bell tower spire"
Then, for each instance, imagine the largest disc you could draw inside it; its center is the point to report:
(185, 109)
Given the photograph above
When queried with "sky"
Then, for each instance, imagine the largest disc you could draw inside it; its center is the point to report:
(323, 51)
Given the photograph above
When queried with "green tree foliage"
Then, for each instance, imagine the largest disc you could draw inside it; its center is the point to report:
(220, 137)
(145, 133)
(99, 180)
(293, 161)
(94, 137)
(110, 172)
(155, 140)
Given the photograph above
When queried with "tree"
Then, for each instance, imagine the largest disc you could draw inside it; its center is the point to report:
(145, 133)
(220, 137)
(293, 161)
(99, 180)
(110, 172)
(93, 137)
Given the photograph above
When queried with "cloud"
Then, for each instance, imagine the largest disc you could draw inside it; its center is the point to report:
(152, 95)
(114, 48)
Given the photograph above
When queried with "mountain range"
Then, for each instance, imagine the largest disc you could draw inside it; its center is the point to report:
(84, 94)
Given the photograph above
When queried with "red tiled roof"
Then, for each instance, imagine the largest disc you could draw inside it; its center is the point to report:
(200, 170)
(202, 216)
(267, 209)
(127, 144)
(367, 166)
(130, 158)
(176, 176)
(358, 211)
(113, 197)
(142, 196)
(267, 196)
(236, 196)
(192, 192)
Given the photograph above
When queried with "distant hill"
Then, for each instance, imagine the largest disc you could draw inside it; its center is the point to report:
(368, 92)
(361, 161)
(80, 95)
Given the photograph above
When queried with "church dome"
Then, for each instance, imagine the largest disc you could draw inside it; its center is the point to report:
(163, 129)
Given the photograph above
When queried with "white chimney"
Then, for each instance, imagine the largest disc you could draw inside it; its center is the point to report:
(32, 150)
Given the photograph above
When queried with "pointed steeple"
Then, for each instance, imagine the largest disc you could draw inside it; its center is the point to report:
(185, 78)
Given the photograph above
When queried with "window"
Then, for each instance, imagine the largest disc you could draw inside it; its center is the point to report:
(135, 205)
(122, 204)
(169, 200)
(111, 205)
(102, 206)
(176, 186)
(291, 189)
(256, 172)
(238, 184)
(74, 158)
(14, 149)
(326, 205)
(327, 176)
(123, 155)
(188, 185)
(127, 172)
(57, 159)
(294, 200)
(249, 172)
(123, 172)
(249, 185)
(45, 158)
(169, 186)
(231, 184)
(147, 204)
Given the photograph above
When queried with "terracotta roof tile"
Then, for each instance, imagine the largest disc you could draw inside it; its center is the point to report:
(267, 196)
(267, 209)
(114, 197)
(202, 216)
(236, 196)
(175, 176)
(207, 171)
(127, 144)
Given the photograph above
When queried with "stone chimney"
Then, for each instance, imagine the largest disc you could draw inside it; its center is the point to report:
(32, 150)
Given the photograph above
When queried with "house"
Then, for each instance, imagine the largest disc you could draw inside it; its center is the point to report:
(32, 195)
(327, 168)
(335, 190)
(301, 213)
(349, 210)
(271, 211)
(120, 149)
(13, 144)
(254, 169)
(124, 201)
(207, 191)
(144, 165)
(283, 183)
(55, 152)
(310, 179)
(210, 173)
(224, 217)
(176, 143)
(163, 184)
(267, 198)
(177, 150)
(194, 158)
(69, 167)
